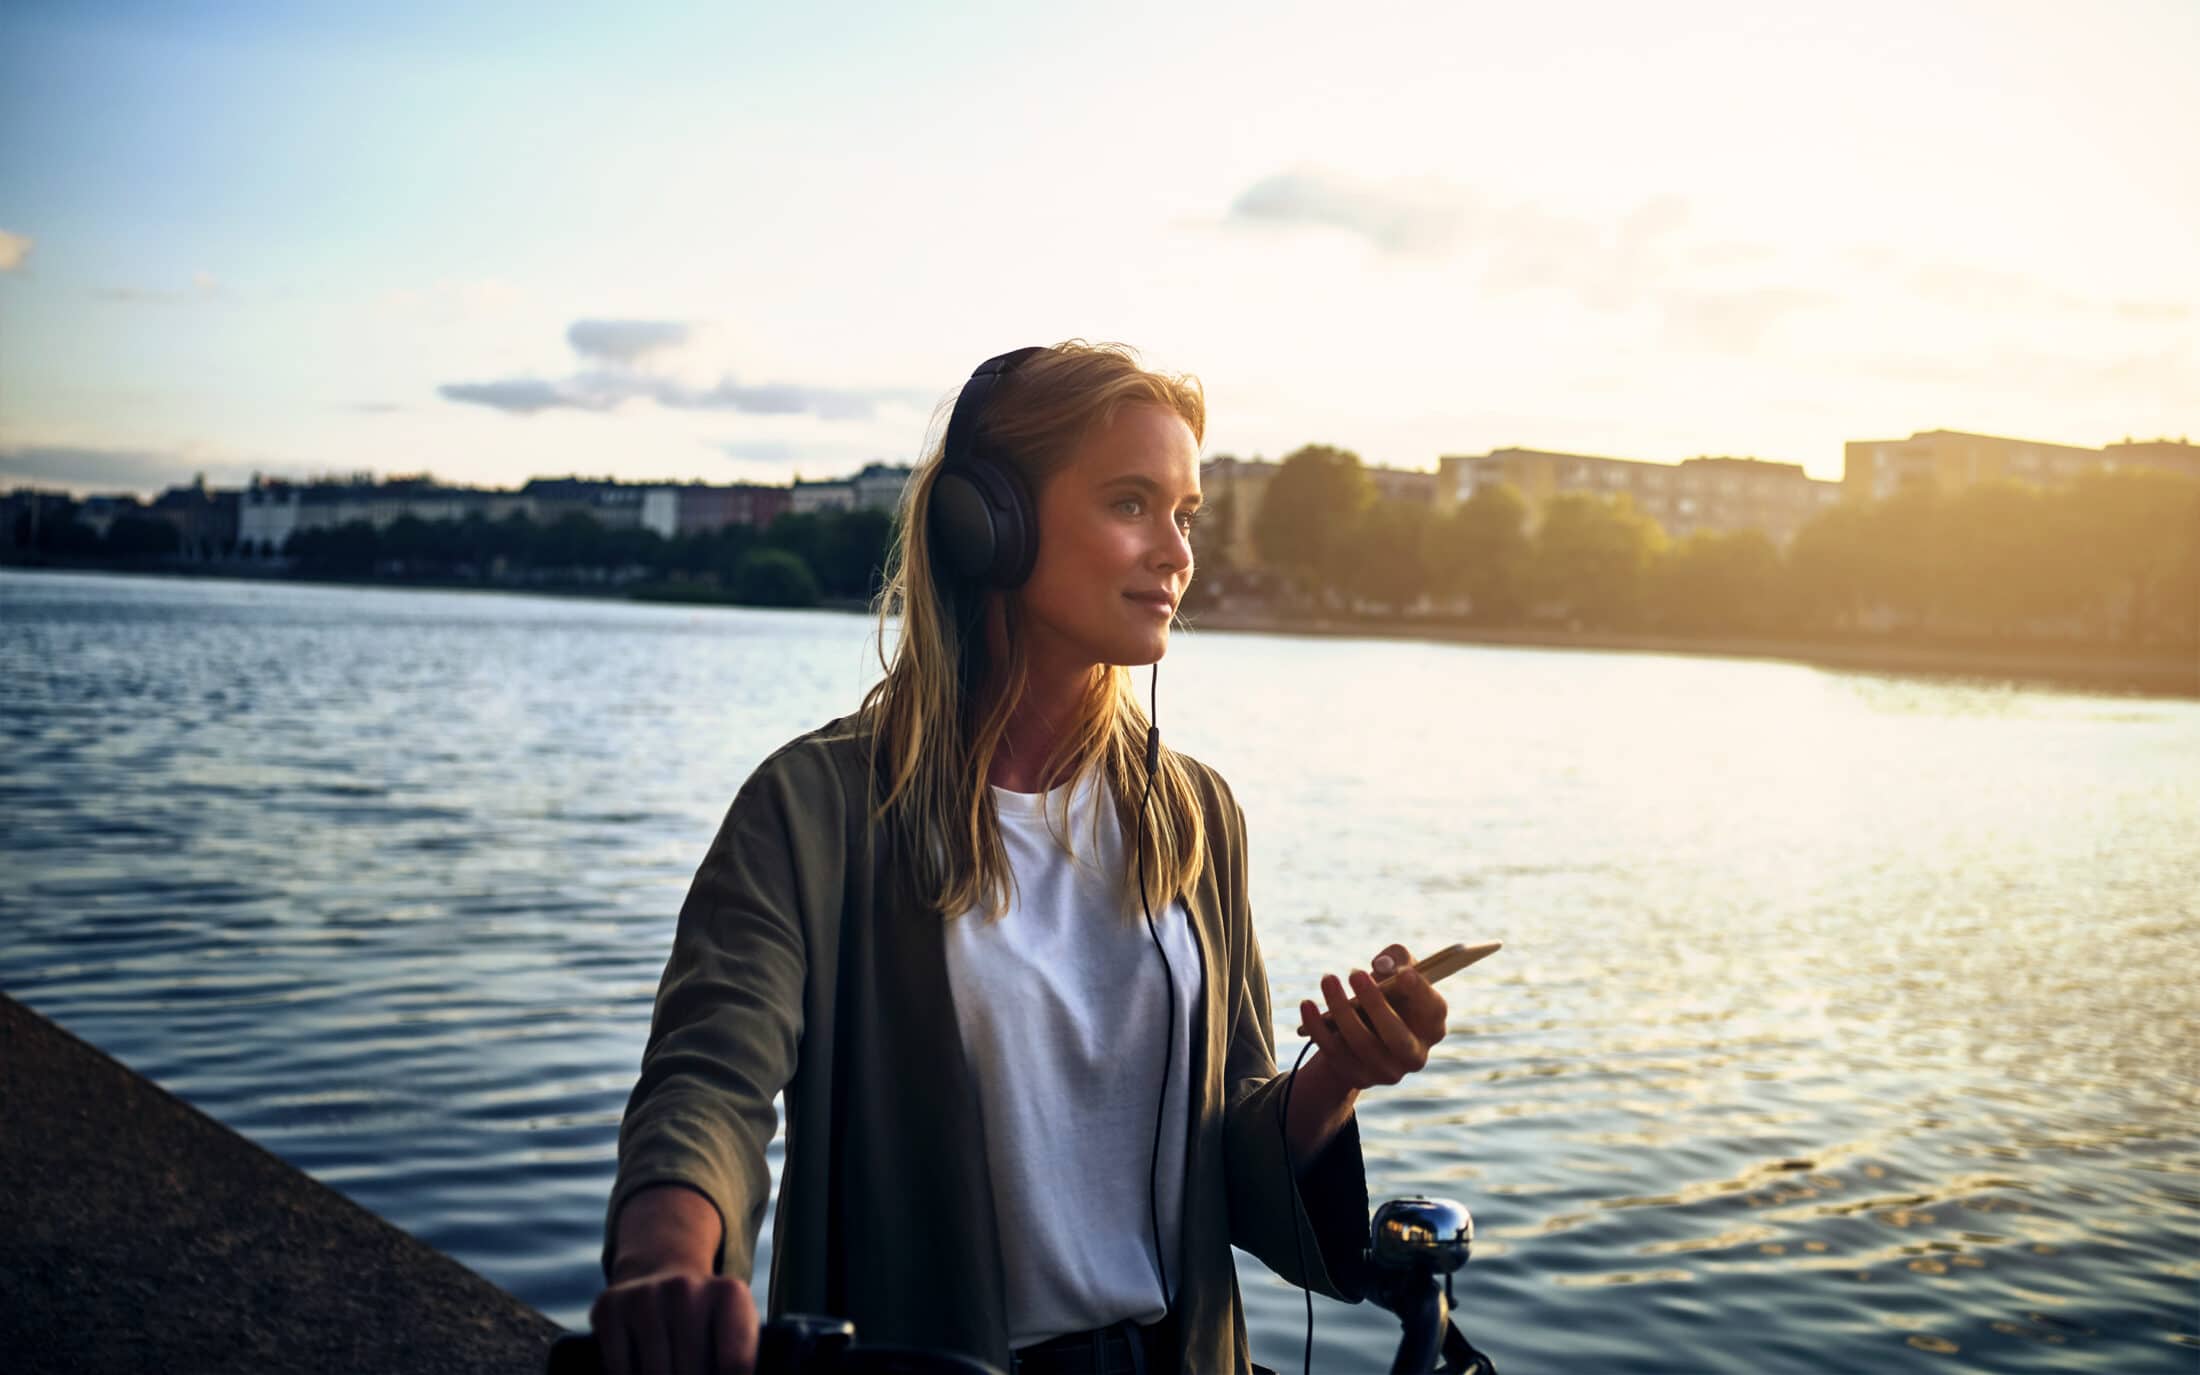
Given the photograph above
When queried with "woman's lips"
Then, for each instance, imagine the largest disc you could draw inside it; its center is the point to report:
(1158, 602)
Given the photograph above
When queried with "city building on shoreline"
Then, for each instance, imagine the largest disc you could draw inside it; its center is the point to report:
(1232, 489)
(878, 487)
(1951, 460)
(1697, 495)
(697, 508)
(271, 510)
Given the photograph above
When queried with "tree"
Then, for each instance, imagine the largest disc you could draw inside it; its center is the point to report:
(1211, 550)
(1713, 582)
(415, 544)
(1996, 578)
(574, 540)
(2137, 532)
(1382, 554)
(1311, 506)
(142, 537)
(774, 577)
(1592, 558)
(1906, 562)
(1830, 568)
(851, 555)
(1481, 552)
(350, 550)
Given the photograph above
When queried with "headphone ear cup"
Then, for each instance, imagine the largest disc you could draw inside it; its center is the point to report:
(961, 526)
(983, 522)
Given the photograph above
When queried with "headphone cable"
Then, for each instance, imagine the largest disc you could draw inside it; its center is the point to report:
(1168, 976)
(1298, 1209)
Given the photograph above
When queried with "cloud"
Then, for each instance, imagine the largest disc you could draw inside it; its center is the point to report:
(520, 396)
(625, 341)
(131, 469)
(625, 344)
(2163, 374)
(2154, 312)
(609, 389)
(1410, 217)
(15, 250)
(204, 287)
(758, 450)
(1732, 321)
(1699, 287)
(1979, 290)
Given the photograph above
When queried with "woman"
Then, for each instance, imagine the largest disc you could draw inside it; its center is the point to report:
(994, 945)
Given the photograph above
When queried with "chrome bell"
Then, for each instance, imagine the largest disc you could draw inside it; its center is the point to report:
(1430, 1235)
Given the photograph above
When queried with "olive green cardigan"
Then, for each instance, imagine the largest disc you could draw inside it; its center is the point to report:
(803, 962)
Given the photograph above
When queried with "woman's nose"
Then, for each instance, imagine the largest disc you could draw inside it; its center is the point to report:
(1175, 548)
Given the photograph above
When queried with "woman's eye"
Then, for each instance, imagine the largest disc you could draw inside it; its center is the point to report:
(1185, 520)
(1131, 506)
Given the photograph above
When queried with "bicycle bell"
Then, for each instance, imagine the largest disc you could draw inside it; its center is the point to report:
(1433, 1235)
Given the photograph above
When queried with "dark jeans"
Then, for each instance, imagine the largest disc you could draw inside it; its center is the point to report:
(1123, 1348)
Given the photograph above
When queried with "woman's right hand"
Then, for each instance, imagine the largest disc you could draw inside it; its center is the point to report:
(667, 1311)
(676, 1321)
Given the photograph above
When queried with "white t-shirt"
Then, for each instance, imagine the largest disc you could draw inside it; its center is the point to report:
(1061, 1003)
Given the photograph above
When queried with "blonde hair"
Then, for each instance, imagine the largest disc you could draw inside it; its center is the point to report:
(931, 749)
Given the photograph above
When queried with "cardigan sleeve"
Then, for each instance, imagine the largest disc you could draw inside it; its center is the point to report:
(727, 1026)
(1325, 1216)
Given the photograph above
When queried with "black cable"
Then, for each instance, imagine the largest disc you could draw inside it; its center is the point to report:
(1298, 1210)
(1168, 975)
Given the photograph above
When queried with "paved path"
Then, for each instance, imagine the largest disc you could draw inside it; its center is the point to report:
(138, 1234)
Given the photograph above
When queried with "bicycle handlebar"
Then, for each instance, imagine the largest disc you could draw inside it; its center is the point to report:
(781, 1352)
(1414, 1246)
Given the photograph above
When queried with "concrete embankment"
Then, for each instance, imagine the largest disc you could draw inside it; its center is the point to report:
(137, 1233)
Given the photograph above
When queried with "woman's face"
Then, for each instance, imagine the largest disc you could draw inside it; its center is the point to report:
(1115, 551)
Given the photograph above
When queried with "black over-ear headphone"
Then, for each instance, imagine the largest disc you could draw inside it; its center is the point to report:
(982, 522)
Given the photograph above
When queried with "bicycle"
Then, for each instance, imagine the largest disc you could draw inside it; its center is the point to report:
(1414, 1247)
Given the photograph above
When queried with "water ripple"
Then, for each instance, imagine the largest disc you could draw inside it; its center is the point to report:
(1845, 1021)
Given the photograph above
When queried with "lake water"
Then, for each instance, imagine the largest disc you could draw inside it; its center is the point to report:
(1845, 1021)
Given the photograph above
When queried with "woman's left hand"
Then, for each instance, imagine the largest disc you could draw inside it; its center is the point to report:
(1374, 1041)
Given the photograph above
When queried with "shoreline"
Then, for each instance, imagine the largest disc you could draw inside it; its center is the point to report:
(2152, 675)
(2157, 675)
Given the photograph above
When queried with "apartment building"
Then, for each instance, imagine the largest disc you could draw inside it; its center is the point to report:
(1950, 460)
(1719, 495)
(1232, 489)
(1230, 492)
(2162, 455)
(698, 508)
(877, 487)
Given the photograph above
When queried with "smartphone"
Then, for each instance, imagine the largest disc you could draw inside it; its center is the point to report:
(1441, 965)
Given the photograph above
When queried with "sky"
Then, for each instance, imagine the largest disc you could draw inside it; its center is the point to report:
(741, 243)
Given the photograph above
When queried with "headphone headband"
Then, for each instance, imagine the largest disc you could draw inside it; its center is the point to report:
(963, 425)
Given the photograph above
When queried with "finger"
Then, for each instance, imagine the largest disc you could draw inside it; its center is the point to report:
(1422, 1008)
(687, 1326)
(1332, 1049)
(646, 1332)
(1352, 1029)
(1393, 959)
(605, 1320)
(733, 1327)
(1405, 1048)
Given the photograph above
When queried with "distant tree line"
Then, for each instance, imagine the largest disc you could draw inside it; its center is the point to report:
(2110, 558)
(59, 533)
(801, 560)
